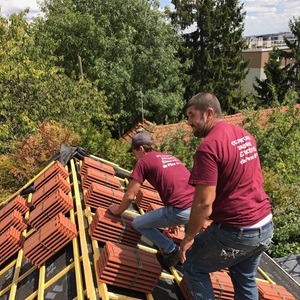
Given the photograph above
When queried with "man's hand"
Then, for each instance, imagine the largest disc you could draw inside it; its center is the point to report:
(114, 209)
(185, 245)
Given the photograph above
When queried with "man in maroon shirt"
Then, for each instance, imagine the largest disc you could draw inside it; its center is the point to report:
(228, 180)
(169, 177)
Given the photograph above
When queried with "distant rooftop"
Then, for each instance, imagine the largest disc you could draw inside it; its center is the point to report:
(268, 40)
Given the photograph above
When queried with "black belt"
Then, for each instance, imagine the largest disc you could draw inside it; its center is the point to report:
(239, 229)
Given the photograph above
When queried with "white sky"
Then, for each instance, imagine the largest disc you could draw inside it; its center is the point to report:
(263, 16)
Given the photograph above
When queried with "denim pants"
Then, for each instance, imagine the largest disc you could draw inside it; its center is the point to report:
(167, 216)
(219, 247)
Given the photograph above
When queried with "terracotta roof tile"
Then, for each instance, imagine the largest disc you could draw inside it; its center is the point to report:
(159, 131)
(11, 241)
(118, 229)
(99, 195)
(49, 239)
(14, 219)
(269, 291)
(18, 203)
(128, 267)
(50, 187)
(57, 202)
(55, 169)
(93, 175)
(97, 165)
(145, 196)
(143, 125)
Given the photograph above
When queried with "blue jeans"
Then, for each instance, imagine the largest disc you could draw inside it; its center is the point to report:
(219, 247)
(167, 216)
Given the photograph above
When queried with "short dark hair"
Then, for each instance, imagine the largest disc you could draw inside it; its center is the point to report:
(202, 101)
(147, 148)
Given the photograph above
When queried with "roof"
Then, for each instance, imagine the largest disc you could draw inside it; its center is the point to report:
(59, 241)
(159, 131)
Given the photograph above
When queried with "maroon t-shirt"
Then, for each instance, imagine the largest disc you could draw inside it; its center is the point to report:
(168, 176)
(227, 158)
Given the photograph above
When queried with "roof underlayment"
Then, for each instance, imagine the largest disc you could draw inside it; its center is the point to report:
(58, 241)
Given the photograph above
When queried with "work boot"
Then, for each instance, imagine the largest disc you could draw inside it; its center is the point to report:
(173, 258)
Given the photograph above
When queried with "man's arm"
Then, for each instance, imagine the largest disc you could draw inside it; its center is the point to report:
(132, 189)
(201, 210)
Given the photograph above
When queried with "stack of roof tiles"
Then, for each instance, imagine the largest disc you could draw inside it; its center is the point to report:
(55, 169)
(11, 241)
(269, 291)
(175, 237)
(98, 195)
(148, 186)
(49, 239)
(128, 267)
(12, 224)
(108, 227)
(47, 187)
(92, 175)
(221, 282)
(97, 165)
(145, 196)
(57, 202)
(153, 206)
(14, 219)
(18, 203)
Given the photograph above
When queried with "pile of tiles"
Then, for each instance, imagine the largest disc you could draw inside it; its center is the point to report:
(97, 165)
(148, 186)
(153, 206)
(128, 267)
(14, 219)
(11, 241)
(92, 175)
(99, 195)
(12, 224)
(55, 169)
(145, 196)
(108, 227)
(48, 187)
(57, 202)
(49, 239)
(269, 291)
(221, 282)
(175, 237)
(18, 203)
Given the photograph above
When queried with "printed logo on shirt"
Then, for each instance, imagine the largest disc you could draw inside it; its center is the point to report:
(168, 160)
(248, 152)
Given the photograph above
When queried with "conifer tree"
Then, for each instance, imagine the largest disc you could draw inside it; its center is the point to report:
(272, 90)
(213, 44)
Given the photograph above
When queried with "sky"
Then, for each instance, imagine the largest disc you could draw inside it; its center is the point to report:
(262, 16)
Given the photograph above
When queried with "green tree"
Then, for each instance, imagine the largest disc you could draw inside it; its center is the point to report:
(293, 55)
(272, 90)
(213, 44)
(278, 142)
(33, 89)
(127, 46)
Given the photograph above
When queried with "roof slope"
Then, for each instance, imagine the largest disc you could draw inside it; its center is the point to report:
(65, 245)
(159, 131)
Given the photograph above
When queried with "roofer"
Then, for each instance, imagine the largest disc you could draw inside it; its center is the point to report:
(228, 180)
(169, 177)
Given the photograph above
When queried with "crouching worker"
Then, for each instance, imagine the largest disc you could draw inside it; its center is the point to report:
(169, 177)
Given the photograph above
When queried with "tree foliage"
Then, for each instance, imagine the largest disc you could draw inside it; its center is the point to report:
(278, 143)
(279, 79)
(28, 156)
(293, 55)
(125, 45)
(33, 89)
(213, 44)
(272, 90)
